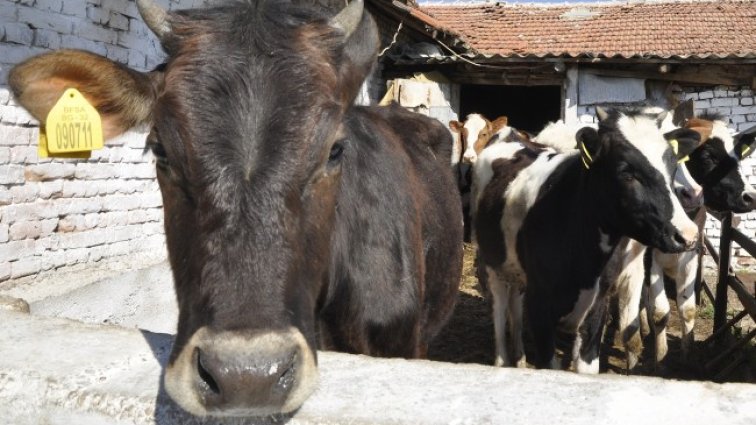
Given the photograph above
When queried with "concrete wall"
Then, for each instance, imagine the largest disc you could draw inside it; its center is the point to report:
(72, 213)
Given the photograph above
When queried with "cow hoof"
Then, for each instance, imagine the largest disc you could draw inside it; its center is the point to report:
(522, 363)
(632, 361)
(499, 362)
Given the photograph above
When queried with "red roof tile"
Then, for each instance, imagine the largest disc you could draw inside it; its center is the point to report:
(699, 29)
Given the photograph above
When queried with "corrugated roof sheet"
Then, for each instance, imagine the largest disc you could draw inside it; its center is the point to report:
(668, 29)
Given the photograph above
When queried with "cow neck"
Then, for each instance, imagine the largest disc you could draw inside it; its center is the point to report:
(599, 230)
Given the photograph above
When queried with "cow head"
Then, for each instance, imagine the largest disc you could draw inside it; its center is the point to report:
(630, 162)
(475, 133)
(246, 125)
(716, 166)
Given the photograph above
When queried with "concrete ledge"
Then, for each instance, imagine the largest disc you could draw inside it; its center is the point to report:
(58, 371)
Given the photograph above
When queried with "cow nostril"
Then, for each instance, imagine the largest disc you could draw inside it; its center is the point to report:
(680, 239)
(748, 198)
(206, 378)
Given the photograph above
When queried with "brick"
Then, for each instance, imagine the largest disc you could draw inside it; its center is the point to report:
(4, 233)
(10, 114)
(97, 14)
(24, 154)
(76, 42)
(46, 39)
(113, 218)
(25, 267)
(4, 96)
(724, 102)
(15, 250)
(720, 93)
(5, 271)
(135, 155)
(118, 54)
(735, 119)
(11, 135)
(51, 5)
(53, 259)
(95, 171)
(80, 206)
(5, 198)
(118, 21)
(30, 211)
(706, 95)
(120, 203)
(5, 155)
(8, 12)
(46, 19)
(51, 189)
(701, 104)
(51, 171)
(87, 238)
(132, 41)
(151, 200)
(25, 230)
(127, 8)
(11, 174)
(137, 59)
(75, 256)
(137, 217)
(75, 8)
(746, 101)
(24, 193)
(743, 110)
(18, 33)
(94, 32)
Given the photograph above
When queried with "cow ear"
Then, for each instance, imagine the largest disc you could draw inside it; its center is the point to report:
(123, 97)
(456, 125)
(683, 112)
(601, 113)
(683, 141)
(589, 144)
(499, 123)
(744, 142)
(361, 42)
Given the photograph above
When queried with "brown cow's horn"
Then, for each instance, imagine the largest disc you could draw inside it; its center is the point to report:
(349, 18)
(155, 17)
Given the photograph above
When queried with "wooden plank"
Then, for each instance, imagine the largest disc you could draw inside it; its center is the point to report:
(744, 241)
(746, 298)
(725, 250)
(706, 78)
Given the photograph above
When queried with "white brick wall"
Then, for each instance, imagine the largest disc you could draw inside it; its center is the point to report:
(62, 213)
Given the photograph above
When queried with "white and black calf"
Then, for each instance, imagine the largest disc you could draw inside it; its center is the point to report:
(546, 222)
(716, 166)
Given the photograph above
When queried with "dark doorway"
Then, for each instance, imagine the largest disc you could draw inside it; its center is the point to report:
(528, 108)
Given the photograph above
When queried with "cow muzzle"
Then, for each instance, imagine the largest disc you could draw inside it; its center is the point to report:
(237, 373)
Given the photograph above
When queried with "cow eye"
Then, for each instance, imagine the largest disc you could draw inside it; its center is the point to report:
(336, 151)
(158, 150)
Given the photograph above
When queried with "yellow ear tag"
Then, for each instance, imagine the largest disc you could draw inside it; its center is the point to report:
(675, 145)
(585, 156)
(72, 126)
(744, 150)
(42, 151)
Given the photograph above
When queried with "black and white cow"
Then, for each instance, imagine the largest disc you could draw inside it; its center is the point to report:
(547, 222)
(716, 166)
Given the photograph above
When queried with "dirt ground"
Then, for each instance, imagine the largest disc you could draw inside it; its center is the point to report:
(468, 338)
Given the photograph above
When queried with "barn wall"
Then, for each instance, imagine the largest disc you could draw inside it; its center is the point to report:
(73, 213)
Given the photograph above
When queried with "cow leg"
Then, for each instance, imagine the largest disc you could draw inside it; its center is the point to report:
(516, 299)
(629, 289)
(686, 300)
(661, 310)
(499, 290)
(543, 326)
(588, 340)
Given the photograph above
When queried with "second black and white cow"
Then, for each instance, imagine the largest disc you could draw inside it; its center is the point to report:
(547, 222)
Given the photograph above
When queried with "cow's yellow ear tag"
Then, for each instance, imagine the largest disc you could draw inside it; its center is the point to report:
(72, 126)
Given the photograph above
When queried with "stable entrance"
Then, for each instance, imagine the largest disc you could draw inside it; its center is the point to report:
(528, 108)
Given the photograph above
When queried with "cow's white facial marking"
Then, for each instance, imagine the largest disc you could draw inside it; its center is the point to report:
(474, 124)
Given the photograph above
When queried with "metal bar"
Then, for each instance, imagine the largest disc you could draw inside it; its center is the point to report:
(730, 350)
(725, 250)
(717, 332)
(748, 300)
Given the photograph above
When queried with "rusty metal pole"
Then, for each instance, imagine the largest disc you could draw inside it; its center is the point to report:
(725, 250)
